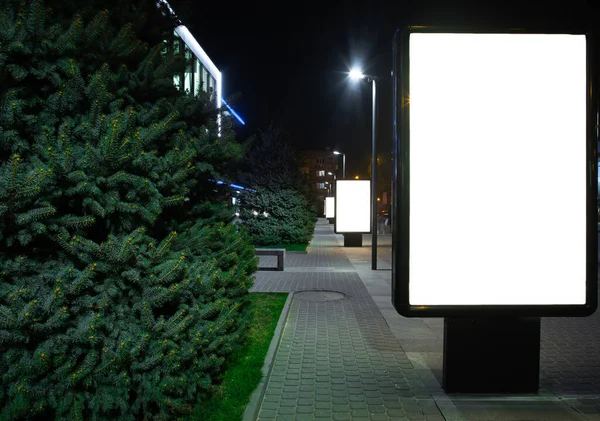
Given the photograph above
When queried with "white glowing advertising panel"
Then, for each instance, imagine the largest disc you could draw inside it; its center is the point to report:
(353, 206)
(330, 207)
(496, 204)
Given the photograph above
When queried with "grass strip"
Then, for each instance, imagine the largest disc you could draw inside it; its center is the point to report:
(243, 373)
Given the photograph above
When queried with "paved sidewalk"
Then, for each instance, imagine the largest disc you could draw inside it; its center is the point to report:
(345, 353)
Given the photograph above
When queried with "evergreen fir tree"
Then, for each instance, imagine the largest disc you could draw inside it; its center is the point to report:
(277, 217)
(121, 281)
(279, 211)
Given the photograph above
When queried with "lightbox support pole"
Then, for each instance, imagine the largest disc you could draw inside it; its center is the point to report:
(373, 180)
(491, 355)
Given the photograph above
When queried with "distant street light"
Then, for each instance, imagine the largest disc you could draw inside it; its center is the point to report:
(343, 163)
(357, 74)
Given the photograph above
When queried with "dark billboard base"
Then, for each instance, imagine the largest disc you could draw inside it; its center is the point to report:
(490, 355)
(353, 240)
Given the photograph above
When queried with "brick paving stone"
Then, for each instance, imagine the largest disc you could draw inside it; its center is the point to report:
(344, 385)
(267, 414)
(570, 355)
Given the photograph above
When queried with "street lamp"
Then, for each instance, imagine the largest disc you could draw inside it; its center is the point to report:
(357, 74)
(343, 163)
(332, 184)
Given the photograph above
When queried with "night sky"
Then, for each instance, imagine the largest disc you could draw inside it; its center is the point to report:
(288, 60)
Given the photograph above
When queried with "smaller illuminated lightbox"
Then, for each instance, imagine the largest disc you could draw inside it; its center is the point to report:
(353, 206)
(330, 207)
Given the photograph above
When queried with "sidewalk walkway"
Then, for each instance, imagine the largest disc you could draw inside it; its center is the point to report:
(345, 354)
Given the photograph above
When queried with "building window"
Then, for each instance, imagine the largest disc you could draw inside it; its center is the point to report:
(189, 69)
(320, 173)
(320, 185)
(320, 161)
(187, 84)
(197, 67)
(212, 87)
(204, 79)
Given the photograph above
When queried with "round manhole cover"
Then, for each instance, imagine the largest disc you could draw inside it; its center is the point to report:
(319, 295)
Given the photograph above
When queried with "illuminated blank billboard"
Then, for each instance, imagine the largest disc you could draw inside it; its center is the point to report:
(353, 206)
(495, 181)
(330, 207)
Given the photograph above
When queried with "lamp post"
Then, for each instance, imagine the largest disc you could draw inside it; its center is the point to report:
(343, 163)
(332, 187)
(358, 75)
(332, 184)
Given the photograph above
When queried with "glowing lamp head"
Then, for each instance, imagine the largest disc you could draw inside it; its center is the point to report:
(356, 74)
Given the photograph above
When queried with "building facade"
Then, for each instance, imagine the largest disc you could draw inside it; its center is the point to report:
(200, 73)
(322, 168)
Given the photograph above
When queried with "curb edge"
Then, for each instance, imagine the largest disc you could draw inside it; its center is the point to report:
(251, 412)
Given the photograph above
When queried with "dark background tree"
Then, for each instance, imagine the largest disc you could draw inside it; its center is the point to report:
(280, 210)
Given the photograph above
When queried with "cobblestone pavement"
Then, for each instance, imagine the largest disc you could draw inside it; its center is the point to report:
(323, 252)
(338, 360)
(355, 358)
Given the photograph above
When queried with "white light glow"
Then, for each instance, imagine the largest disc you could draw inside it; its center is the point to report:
(497, 169)
(353, 207)
(356, 74)
(330, 207)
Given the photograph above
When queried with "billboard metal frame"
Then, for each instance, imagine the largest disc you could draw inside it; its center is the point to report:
(401, 178)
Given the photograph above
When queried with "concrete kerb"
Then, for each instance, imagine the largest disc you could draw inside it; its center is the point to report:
(251, 412)
(309, 248)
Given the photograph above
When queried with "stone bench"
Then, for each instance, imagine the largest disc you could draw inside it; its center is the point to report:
(280, 253)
